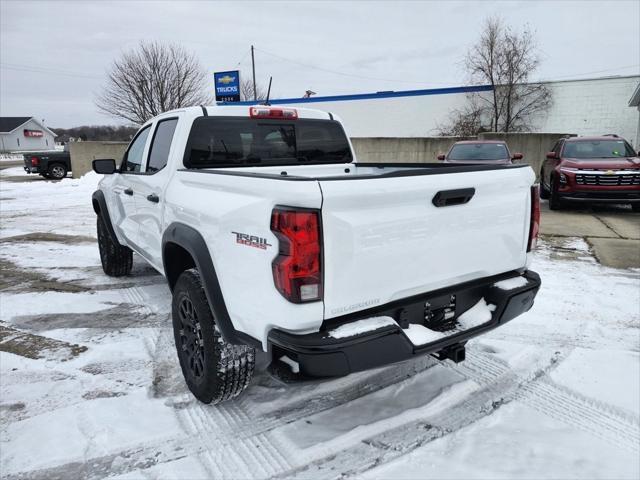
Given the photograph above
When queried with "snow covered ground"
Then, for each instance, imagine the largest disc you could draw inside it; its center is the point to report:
(91, 387)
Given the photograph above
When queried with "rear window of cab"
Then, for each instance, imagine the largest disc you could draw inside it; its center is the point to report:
(216, 142)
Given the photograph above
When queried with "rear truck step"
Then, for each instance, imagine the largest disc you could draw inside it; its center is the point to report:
(437, 323)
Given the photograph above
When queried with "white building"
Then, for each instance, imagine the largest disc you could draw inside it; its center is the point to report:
(635, 102)
(19, 134)
(585, 107)
(593, 107)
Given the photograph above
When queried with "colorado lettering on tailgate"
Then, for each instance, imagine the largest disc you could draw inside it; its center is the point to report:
(251, 240)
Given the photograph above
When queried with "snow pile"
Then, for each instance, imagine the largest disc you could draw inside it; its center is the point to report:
(480, 313)
(421, 335)
(477, 315)
(13, 172)
(511, 283)
(361, 326)
(90, 179)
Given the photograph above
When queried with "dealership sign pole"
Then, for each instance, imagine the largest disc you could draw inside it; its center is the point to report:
(227, 86)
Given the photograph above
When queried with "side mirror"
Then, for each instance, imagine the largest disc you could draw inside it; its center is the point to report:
(517, 156)
(105, 166)
(551, 155)
(441, 157)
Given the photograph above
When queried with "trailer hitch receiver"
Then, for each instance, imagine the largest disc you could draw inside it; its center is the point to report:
(455, 353)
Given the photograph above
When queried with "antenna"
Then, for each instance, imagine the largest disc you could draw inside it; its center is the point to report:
(266, 101)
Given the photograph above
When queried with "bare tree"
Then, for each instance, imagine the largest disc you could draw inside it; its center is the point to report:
(464, 122)
(505, 59)
(152, 79)
(246, 91)
(97, 132)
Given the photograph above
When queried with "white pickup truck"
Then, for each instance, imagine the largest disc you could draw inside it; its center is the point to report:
(272, 236)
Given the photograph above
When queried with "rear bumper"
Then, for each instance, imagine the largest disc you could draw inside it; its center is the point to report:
(321, 355)
(32, 169)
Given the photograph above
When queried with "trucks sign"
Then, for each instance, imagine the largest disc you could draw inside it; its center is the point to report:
(227, 86)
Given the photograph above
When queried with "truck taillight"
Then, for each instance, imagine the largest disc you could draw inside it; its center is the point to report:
(35, 161)
(268, 112)
(534, 227)
(297, 270)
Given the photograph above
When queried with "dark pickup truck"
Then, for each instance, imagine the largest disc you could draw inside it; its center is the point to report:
(54, 165)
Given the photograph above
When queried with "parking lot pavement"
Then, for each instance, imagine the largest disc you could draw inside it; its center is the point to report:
(613, 232)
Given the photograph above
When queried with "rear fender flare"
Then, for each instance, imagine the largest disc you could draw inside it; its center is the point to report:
(190, 240)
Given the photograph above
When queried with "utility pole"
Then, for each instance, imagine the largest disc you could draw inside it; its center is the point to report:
(253, 68)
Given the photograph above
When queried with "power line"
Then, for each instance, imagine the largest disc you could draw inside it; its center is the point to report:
(47, 70)
(243, 58)
(613, 69)
(322, 69)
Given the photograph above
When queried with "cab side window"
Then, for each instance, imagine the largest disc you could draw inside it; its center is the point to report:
(161, 144)
(132, 160)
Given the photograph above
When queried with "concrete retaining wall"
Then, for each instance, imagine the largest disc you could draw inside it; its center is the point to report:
(400, 150)
(83, 153)
(534, 147)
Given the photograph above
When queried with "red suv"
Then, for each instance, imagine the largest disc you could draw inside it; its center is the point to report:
(591, 169)
(480, 152)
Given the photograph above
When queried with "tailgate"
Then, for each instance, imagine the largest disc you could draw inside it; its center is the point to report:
(385, 240)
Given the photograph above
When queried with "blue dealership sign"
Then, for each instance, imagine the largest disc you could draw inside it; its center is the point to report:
(227, 86)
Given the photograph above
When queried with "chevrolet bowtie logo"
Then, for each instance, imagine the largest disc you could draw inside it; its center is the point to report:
(226, 79)
(609, 172)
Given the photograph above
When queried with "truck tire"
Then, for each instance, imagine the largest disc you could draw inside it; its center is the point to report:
(555, 202)
(544, 191)
(116, 259)
(213, 369)
(57, 171)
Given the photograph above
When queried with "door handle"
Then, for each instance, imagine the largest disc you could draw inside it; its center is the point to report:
(128, 191)
(153, 198)
(460, 196)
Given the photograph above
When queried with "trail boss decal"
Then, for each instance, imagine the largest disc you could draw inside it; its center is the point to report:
(251, 240)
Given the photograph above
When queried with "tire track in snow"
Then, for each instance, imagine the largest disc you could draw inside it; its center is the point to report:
(622, 339)
(230, 442)
(610, 423)
(500, 385)
(212, 433)
(232, 425)
(351, 460)
(245, 456)
(136, 296)
(244, 423)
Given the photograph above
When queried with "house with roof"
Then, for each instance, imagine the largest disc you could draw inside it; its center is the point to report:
(22, 134)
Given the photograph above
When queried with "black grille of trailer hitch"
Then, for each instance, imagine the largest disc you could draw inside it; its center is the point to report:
(455, 353)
